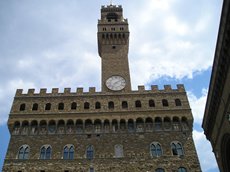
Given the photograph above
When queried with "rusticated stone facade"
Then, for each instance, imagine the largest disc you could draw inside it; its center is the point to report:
(107, 131)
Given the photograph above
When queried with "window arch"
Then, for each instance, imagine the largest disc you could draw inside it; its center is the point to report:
(86, 105)
(48, 106)
(159, 170)
(68, 152)
(158, 123)
(52, 127)
(90, 152)
(138, 103)
(45, 152)
(35, 107)
(124, 104)
(177, 148)
(165, 102)
(111, 105)
(61, 106)
(178, 102)
(118, 151)
(73, 106)
(23, 152)
(131, 125)
(22, 107)
(155, 149)
(151, 103)
(97, 105)
(182, 169)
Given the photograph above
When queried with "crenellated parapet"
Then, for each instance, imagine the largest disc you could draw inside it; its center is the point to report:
(92, 91)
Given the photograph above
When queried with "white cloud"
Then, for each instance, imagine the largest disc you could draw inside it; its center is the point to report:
(206, 156)
(198, 105)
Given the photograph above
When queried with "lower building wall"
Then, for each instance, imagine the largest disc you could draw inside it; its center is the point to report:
(136, 152)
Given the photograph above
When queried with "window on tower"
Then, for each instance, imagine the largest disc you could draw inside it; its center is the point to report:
(61, 106)
(124, 105)
(86, 105)
(182, 169)
(111, 105)
(35, 106)
(90, 152)
(68, 152)
(97, 105)
(177, 149)
(73, 105)
(155, 149)
(22, 107)
(45, 152)
(138, 103)
(23, 152)
(159, 170)
(112, 16)
(48, 106)
(165, 102)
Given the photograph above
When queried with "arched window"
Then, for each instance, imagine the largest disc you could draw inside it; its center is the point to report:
(48, 106)
(97, 105)
(52, 127)
(89, 152)
(124, 105)
(138, 103)
(34, 127)
(167, 123)
(61, 106)
(182, 169)
(165, 102)
(177, 148)
(91, 169)
(151, 103)
(158, 124)
(22, 107)
(139, 125)
(97, 125)
(118, 149)
(45, 152)
(79, 126)
(35, 106)
(23, 152)
(177, 102)
(148, 124)
(111, 105)
(159, 170)
(155, 149)
(68, 152)
(86, 105)
(73, 106)
(131, 125)
(114, 125)
(25, 127)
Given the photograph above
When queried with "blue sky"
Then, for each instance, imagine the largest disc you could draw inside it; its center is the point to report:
(49, 44)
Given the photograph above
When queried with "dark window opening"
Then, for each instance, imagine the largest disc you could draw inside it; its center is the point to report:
(61, 106)
(86, 105)
(22, 107)
(113, 47)
(138, 103)
(111, 105)
(35, 106)
(124, 104)
(177, 102)
(48, 106)
(151, 103)
(165, 102)
(74, 106)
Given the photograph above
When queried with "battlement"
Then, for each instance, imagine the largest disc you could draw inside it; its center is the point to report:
(109, 8)
(92, 91)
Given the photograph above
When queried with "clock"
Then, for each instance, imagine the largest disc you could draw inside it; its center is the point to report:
(115, 83)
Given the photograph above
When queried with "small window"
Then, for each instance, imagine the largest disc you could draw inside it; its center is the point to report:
(151, 103)
(159, 170)
(45, 152)
(165, 102)
(68, 152)
(48, 106)
(97, 105)
(113, 47)
(22, 107)
(86, 105)
(182, 169)
(35, 106)
(138, 103)
(177, 102)
(24, 152)
(118, 151)
(177, 149)
(124, 105)
(74, 106)
(111, 105)
(91, 169)
(89, 152)
(155, 150)
(61, 106)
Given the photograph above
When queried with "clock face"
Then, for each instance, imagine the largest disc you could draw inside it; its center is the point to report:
(115, 83)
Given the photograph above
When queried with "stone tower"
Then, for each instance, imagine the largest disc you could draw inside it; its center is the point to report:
(117, 129)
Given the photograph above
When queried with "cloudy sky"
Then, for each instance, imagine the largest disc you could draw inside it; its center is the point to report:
(52, 43)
